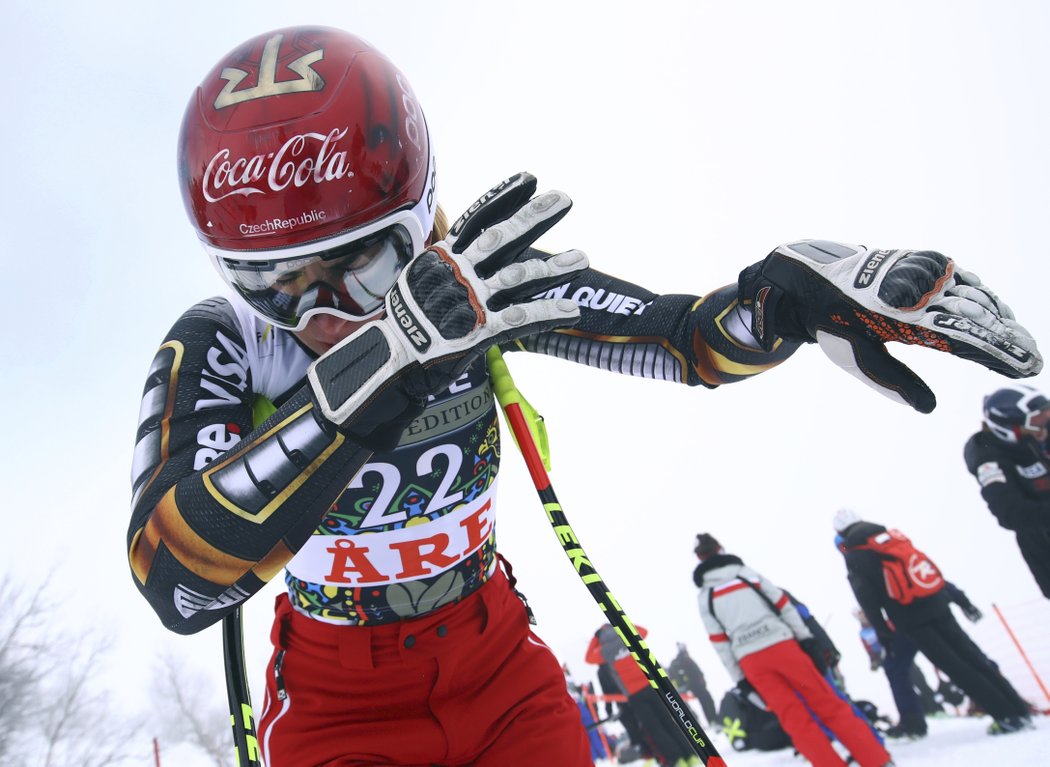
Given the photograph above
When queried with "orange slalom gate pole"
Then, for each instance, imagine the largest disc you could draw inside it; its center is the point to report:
(1024, 655)
(601, 733)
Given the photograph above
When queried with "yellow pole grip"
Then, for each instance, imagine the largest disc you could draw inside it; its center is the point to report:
(508, 394)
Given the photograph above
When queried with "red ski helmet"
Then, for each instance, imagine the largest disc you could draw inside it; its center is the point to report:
(306, 168)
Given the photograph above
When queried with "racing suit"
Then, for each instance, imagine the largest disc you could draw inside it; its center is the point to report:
(394, 585)
(1015, 483)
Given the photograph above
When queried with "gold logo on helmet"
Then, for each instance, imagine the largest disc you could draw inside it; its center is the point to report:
(309, 80)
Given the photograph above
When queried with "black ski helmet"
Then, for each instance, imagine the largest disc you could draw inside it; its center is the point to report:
(1018, 413)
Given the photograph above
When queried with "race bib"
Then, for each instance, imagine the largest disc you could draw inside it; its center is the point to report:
(410, 553)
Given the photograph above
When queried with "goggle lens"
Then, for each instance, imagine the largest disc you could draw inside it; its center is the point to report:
(351, 279)
(1038, 422)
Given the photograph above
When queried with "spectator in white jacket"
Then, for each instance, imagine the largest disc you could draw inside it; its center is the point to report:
(756, 632)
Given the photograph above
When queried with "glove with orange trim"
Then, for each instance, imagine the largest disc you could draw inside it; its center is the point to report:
(852, 300)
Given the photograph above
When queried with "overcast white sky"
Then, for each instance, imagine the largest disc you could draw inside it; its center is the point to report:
(694, 137)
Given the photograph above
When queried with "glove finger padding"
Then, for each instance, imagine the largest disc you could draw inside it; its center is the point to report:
(499, 246)
(462, 305)
(968, 285)
(497, 204)
(531, 274)
(441, 317)
(853, 300)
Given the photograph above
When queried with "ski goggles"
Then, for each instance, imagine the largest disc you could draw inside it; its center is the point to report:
(350, 277)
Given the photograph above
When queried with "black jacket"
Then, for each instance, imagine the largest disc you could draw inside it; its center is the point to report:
(869, 586)
(1015, 482)
(686, 674)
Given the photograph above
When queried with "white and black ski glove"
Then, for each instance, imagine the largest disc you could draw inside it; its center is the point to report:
(852, 300)
(451, 303)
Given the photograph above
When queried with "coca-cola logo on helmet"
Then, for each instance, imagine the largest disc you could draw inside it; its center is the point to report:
(300, 160)
(310, 125)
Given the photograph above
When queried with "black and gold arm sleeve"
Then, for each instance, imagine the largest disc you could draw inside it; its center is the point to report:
(676, 337)
(219, 507)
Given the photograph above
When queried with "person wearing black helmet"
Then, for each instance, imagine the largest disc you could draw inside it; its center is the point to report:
(1010, 457)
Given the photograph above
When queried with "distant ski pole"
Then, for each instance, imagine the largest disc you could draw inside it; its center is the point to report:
(510, 400)
(241, 716)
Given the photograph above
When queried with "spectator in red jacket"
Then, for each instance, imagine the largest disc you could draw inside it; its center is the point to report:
(666, 742)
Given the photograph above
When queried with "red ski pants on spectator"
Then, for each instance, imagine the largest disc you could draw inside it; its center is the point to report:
(468, 684)
(785, 677)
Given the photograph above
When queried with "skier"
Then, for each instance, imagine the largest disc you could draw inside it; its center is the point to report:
(664, 740)
(757, 632)
(687, 677)
(917, 607)
(331, 416)
(1010, 457)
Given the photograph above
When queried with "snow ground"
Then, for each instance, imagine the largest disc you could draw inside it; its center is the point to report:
(952, 742)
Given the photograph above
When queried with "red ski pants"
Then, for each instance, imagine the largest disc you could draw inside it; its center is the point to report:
(469, 684)
(781, 674)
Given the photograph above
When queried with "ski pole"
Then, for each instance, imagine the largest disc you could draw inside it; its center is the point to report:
(511, 401)
(245, 741)
(241, 716)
